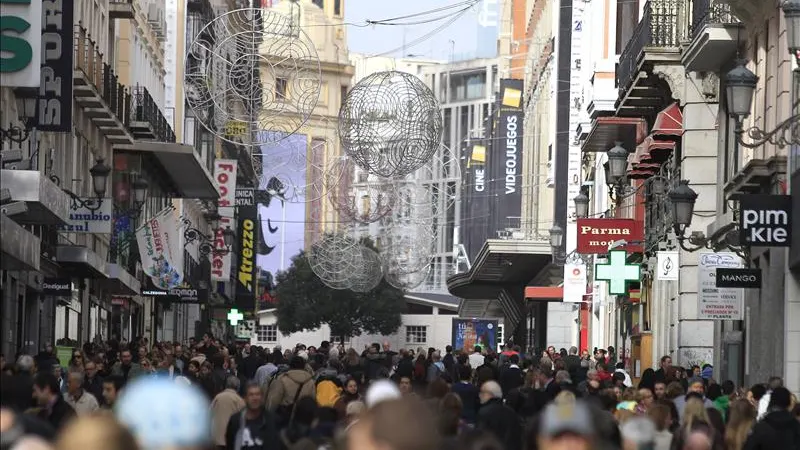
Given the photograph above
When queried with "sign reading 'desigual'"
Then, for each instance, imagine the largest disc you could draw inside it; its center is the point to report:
(765, 220)
(596, 235)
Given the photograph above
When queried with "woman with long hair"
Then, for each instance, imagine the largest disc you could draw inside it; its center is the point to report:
(741, 417)
(100, 431)
(694, 411)
(349, 394)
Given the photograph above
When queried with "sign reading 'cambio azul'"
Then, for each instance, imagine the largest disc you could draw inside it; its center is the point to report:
(20, 42)
(84, 220)
(765, 220)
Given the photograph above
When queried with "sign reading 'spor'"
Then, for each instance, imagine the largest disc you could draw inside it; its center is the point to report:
(596, 235)
(765, 220)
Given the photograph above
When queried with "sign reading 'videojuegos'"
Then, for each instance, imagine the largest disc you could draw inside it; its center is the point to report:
(596, 235)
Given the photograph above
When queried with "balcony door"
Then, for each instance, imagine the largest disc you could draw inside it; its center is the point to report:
(627, 19)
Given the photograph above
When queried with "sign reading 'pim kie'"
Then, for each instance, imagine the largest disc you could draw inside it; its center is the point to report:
(596, 235)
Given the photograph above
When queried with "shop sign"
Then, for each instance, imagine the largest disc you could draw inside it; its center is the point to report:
(221, 259)
(717, 303)
(617, 272)
(225, 180)
(54, 103)
(181, 294)
(739, 278)
(574, 282)
(246, 279)
(596, 235)
(57, 287)
(765, 220)
(667, 266)
(245, 197)
(21, 42)
(83, 220)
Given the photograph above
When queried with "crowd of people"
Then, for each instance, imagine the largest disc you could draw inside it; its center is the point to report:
(204, 395)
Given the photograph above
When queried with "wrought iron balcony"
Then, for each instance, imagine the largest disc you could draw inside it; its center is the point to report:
(147, 120)
(709, 12)
(98, 91)
(120, 9)
(658, 29)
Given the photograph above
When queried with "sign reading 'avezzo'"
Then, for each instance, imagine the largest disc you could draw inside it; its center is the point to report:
(246, 270)
(596, 235)
(765, 220)
(54, 108)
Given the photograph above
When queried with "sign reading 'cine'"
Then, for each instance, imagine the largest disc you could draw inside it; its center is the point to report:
(596, 235)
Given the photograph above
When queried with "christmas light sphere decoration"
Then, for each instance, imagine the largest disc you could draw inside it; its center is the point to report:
(335, 258)
(358, 197)
(249, 70)
(370, 271)
(390, 124)
(407, 281)
(407, 248)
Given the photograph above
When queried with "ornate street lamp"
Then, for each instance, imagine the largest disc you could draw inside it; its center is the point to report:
(582, 203)
(140, 188)
(682, 199)
(617, 163)
(99, 172)
(791, 13)
(556, 237)
(227, 237)
(213, 219)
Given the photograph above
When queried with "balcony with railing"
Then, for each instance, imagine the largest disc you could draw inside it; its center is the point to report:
(147, 120)
(120, 9)
(655, 43)
(714, 33)
(97, 90)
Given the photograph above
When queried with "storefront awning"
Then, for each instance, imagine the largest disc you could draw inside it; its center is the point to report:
(120, 282)
(81, 261)
(190, 177)
(544, 293)
(501, 267)
(47, 203)
(606, 131)
(669, 122)
(21, 249)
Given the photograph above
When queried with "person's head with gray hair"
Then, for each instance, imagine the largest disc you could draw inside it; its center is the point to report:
(562, 376)
(436, 356)
(25, 363)
(233, 383)
(490, 390)
(573, 350)
(75, 382)
(638, 432)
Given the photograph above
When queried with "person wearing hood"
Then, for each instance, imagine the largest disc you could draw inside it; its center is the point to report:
(289, 387)
(621, 369)
(778, 429)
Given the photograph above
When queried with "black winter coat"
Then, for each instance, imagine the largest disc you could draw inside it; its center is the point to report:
(778, 430)
(502, 422)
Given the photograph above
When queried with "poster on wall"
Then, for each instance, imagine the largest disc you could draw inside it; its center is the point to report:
(282, 209)
(574, 282)
(467, 333)
(714, 303)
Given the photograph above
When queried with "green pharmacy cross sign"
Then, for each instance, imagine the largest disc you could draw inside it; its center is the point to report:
(617, 272)
(234, 317)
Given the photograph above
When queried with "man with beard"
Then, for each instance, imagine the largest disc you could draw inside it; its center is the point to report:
(254, 428)
(126, 368)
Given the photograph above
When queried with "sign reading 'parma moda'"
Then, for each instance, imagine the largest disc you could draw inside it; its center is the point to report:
(596, 235)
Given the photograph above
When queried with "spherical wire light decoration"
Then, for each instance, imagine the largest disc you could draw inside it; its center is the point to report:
(406, 249)
(408, 281)
(390, 124)
(369, 273)
(357, 196)
(249, 70)
(335, 258)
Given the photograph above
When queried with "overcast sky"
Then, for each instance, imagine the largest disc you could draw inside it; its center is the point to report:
(380, 39)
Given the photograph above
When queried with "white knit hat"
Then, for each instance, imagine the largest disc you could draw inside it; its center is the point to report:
(381, 391)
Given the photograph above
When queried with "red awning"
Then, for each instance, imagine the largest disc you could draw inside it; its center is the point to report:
(669, 122)
(544, 293)
(606, 131)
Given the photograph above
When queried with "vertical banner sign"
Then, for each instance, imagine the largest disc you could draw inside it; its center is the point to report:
(506, 163)
(156, 249)
(717, 303)
(22, 43)
(574, 282)
(221, 260)
(467, 333)
(225, 179)
(54, 108)
(476, 201)
(246, 274)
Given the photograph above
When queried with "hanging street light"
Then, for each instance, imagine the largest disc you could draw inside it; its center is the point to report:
(617, 163)
(99, 172)
(682, 198)
(582, 203)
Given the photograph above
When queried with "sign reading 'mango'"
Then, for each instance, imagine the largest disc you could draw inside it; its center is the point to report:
(595, 235)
